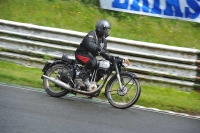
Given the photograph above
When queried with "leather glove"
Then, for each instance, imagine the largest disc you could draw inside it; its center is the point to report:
(102, 52)
(98, 48)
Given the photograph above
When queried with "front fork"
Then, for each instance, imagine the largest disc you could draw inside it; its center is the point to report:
(118, 76)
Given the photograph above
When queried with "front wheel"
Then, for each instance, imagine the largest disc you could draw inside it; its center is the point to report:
(126, 96)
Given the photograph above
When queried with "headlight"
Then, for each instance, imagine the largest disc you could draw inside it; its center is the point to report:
(126, 62)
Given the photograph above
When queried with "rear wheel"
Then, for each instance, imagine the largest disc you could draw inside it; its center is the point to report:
(51, 88)
(125, 97)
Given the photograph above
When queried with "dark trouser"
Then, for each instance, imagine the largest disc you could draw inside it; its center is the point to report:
(89, 61)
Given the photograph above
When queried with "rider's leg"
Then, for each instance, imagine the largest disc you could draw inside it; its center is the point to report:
(85, 73)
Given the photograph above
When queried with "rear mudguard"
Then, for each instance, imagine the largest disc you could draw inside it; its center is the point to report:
(46, 66)
(49, 64)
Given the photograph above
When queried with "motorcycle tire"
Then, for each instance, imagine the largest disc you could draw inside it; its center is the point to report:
(50, 88)
(125, 97)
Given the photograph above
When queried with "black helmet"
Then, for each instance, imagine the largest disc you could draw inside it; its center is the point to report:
(103, 28)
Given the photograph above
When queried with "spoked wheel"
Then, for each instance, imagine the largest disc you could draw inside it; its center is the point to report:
(51, 88)
(125, 97)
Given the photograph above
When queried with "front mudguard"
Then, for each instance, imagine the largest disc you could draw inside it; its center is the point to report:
(134, 75)
(121, 73)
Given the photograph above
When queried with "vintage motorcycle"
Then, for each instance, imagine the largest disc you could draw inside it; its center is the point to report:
(122, 90)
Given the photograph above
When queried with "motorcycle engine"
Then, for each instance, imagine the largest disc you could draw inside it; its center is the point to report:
(66, 76)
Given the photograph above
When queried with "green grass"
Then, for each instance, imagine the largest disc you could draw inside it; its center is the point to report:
(20, 75)
(164, 98)
(170, 99)
(81, 15)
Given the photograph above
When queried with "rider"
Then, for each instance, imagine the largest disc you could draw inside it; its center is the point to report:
(93, 44)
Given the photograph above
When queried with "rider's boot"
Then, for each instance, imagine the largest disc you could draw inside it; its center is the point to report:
(88, 85)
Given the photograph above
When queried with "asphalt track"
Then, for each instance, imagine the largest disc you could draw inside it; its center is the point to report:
(25, 110)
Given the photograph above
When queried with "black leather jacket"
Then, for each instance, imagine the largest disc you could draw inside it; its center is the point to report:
(89, 44)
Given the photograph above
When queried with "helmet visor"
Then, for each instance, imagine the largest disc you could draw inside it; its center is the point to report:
(107, 32)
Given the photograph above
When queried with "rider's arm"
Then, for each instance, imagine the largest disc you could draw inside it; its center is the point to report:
(89, 42)
(104, 52)
(105, 46)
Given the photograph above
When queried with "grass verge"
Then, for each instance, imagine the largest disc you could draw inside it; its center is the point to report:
(163, 98)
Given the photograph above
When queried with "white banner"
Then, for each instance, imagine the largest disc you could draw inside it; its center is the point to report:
(176, 9)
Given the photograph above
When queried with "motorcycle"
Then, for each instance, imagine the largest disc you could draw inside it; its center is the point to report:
(122, 90)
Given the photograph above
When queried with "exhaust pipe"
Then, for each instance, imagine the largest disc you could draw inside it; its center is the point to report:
(68, 87)
(58, 82)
